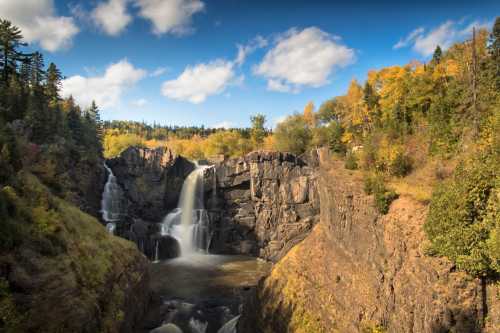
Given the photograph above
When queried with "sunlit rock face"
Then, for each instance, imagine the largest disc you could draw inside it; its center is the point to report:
(361, 271)
(263, 203)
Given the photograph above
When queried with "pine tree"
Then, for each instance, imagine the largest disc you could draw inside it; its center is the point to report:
(370, 96)
(73, 120)
(53, 84)
(37, 74)
(10, 41)
(438, 54)
(494, 50)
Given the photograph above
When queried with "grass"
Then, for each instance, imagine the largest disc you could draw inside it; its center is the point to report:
(73, 254)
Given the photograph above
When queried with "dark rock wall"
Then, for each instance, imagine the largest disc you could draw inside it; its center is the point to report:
(265, 203)
(151, 179)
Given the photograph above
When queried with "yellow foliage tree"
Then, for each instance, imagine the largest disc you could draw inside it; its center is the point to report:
(309, 116)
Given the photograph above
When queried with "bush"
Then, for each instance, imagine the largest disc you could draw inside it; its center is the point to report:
(373, 184)
(463, 217)
(383, 196)
(383, 200)
(351, 161)
(401, 165)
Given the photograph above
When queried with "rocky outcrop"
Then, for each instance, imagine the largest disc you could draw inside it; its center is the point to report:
(359, 271)
(264, 203)
(151, 179)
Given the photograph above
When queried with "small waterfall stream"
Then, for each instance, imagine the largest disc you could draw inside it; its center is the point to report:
(189, 222)
(111, 204)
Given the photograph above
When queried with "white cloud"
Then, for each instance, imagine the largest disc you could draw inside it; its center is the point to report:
(408, 39)
(140, 102)
(225, 124)
(159, 71)
(444, 35)
(279, 120)
(39, 23)
(170, 16)
(244, 50)
(280, 86)
(106, 89)
(112, 16)
(303, 58)
(198, 82)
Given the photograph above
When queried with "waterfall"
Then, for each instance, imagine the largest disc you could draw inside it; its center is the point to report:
(189, 222)
(111, 204)
(230, 326)
(214, 185)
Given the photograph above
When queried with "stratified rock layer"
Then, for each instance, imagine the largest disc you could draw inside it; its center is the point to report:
(359, 271)
(265, 203)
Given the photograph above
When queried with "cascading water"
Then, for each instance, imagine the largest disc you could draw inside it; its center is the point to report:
(111, 204)
(189, 223)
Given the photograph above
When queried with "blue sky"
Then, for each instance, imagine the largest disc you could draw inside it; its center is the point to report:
(201, 62)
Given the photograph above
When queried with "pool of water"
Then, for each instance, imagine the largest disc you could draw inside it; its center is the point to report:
(199, 293)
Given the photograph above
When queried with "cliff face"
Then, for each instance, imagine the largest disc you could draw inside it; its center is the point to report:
(265, 203)
(359, 271)
(152, 180)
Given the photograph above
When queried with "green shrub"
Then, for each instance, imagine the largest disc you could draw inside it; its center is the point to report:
(383, 200)
(10, 318)
(401, 165)
(373, 184)
(351, 161)
(463, 217)
(383, 196)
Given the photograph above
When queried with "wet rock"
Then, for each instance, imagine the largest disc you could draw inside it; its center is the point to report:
(168, 247)
(168, 328)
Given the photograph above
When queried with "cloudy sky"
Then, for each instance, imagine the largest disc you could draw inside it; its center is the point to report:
(216, 62)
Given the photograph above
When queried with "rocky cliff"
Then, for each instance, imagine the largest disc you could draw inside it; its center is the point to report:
(359, 271)
(264, 203)
(151, 179)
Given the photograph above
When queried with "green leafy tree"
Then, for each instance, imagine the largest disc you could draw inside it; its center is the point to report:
(461, 223)
(258, 132)
(293, 135)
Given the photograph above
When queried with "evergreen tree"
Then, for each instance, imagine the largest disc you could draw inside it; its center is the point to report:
(438, 54)
(53, 84)
(494, 49)
(37, 74)
(73, 121)
(370, 96)
(10, 42)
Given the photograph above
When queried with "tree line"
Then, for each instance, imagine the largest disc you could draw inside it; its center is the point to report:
(38, 128)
